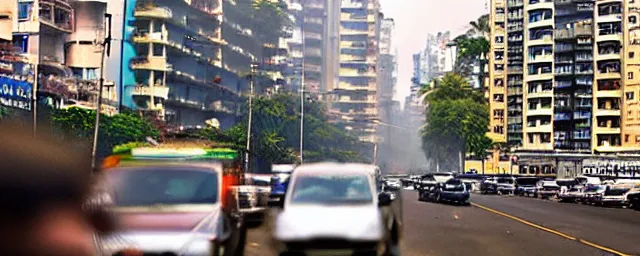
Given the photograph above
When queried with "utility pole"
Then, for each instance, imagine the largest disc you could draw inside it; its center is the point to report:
(106, 49)
(250, 121)
(302, 85)
(34, 90)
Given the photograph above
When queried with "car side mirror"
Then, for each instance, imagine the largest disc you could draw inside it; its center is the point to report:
(384, 199)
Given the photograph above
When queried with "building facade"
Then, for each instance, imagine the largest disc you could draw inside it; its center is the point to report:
(354, 101)
(571, 76)
(60, 41)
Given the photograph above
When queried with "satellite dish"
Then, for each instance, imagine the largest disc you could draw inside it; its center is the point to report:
(213, 122)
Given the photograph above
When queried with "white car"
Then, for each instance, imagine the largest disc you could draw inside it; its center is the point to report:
(337, 208)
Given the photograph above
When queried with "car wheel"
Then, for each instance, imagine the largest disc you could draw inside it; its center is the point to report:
(242, 241)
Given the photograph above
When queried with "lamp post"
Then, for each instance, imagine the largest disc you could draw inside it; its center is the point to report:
(254, 66)
(106, 49)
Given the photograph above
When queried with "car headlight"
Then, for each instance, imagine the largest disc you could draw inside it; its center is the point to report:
(199, 247)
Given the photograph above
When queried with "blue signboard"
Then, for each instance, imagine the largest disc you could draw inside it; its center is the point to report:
(15, 93)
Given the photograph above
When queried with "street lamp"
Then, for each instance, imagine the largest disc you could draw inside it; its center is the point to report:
(106, 49)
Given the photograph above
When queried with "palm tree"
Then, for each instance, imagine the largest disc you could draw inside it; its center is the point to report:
(480, 27)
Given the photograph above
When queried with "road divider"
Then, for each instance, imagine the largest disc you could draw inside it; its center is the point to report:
(555, 232)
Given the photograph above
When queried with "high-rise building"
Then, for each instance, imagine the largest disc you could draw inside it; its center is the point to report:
(570, 75)
(355, 102)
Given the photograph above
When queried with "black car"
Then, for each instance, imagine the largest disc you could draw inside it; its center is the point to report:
(489, 186)
(453, 190)
(526, 186)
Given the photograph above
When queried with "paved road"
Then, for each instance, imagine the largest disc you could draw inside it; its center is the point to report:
(439, 229)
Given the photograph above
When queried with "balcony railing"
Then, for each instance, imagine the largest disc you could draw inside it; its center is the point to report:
(155, 91)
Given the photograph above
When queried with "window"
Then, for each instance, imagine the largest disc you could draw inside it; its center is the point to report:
(630, 75)
(21, 42)
(331, 189)
(632, 54)
(499, 39)
(629, 95)
(545, 138)
(637, 139)
(498, 97)
(629, 114)
(24, 9)
(151, 186)
(158, 50)
(626, 138)
(530, 137)
(632, 19)
(498, 129)
(498, 82)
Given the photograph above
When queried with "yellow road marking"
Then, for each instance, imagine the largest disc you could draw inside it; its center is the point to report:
(525, 222)
(597, 246)
(603, 248)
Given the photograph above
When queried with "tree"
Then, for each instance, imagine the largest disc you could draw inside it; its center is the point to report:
(480, 26)
(77, 124)
(457, 118)
(471, 51)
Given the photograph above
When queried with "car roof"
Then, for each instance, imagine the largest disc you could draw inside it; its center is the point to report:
(336, 168)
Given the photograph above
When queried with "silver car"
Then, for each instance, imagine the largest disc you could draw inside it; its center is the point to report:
(337, 208)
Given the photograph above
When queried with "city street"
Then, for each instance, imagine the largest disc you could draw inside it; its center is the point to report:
(488, 228)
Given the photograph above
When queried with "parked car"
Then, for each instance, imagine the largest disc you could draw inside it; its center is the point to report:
(592, 192)
(547, 189)
(634, 200)
(571, 195)
(335, 208)
(453, 190)
(280, 181)
(178, 202)
(427, 184)
(489, 186)
(617, 194)
(526, 186)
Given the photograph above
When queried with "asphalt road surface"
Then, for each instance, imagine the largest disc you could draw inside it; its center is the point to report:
(504, 225)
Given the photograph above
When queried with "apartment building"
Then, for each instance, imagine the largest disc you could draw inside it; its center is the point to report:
(355, 101)
(578, 89)
(58, 41)
(497, 74)
(388, 68)
(631, 77)
(188, 62)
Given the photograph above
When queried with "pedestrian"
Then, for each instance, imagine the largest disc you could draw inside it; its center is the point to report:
(43, 186)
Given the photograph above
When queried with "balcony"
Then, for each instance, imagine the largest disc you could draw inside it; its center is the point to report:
(155, 91)
(607, 112)
(151, 63)
(564, 33)
(608, 93)
(608, 75)
(541, 23)
(540, 112)
(540, 4)
(514, 91)
(606, 130)
(583, 30)
(353, 73)
(344, 31)
(57, 15)
(609, 37)
(541, 58)
(152, 11)
(547, 128)
(515, 3)
(539, 76)
(608, 56)
(544, 40)
(541, 94)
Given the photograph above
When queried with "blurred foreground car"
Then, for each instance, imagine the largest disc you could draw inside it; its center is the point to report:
(175, 202)
(337, 209)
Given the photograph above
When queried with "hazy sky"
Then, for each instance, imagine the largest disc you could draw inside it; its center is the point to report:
(414, 19)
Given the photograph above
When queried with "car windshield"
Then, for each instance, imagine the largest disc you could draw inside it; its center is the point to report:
(158, 186)
(505, 180)
(332, 189)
